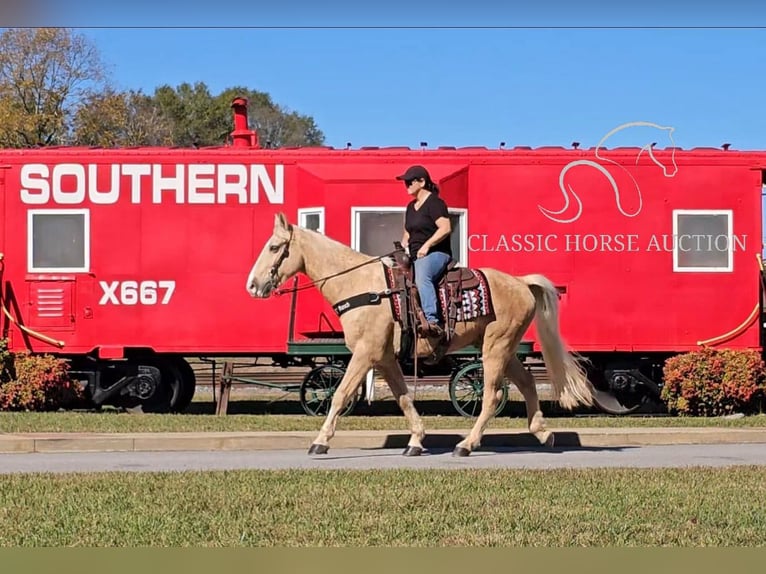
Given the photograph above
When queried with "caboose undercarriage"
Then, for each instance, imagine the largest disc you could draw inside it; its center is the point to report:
(158, 383)
(625, 383)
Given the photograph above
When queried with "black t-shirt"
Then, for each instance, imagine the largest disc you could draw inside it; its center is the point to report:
(421, 224)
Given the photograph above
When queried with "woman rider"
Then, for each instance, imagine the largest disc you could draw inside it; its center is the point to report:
(427, 237)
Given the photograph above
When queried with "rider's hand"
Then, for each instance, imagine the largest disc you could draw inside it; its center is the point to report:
(423, 251)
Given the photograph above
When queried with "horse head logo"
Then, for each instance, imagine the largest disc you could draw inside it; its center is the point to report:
(668, 170)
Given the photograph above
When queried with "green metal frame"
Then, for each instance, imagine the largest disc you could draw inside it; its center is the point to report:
(337, 346)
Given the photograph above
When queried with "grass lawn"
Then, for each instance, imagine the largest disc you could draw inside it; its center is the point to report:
(251, 410)
(114, 421)
(616, 507)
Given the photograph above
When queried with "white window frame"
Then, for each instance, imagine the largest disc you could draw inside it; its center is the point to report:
(303, 212)
(461, 258)
(729, 213)
(86, 240)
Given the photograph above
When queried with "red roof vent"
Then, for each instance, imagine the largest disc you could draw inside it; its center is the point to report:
(242, 136)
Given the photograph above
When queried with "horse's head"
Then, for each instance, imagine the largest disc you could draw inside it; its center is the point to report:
(277, 262)
(669, 168)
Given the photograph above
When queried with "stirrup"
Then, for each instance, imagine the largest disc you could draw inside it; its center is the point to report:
(432, 330)
(438, 353)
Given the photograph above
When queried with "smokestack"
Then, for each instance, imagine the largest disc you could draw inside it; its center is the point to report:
(242, 136)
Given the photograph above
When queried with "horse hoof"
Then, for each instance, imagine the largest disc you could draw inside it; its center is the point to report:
(413, 451)
(318, 449)
(460, 451)
(550, 441)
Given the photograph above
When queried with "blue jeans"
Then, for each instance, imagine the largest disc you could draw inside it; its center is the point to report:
(427, 269)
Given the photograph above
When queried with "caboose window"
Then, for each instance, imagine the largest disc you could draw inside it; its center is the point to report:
(312, 218)
(58, 240)
(703, 240)
(374, 230)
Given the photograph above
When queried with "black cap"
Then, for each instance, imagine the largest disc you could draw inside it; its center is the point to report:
(415, 172)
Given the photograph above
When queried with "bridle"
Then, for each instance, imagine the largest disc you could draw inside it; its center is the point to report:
(274, 271)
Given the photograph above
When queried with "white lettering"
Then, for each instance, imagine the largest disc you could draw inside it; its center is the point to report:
(68, 170)
(161, 183)
(275, 190)
(103, 197)
(225, 187)
(208, 183)
(135, 171)
(724, 246)
(135, 292)
(196, 183)
(471, 238)
(35, 191)
(109, 295)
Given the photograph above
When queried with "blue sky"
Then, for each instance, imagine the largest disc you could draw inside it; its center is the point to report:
(472, 86)
(469, 86)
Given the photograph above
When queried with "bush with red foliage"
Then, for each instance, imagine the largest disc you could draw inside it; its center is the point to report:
(714, 382)
(38, 383)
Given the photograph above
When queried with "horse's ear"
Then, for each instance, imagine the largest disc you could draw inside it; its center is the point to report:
(280, 222)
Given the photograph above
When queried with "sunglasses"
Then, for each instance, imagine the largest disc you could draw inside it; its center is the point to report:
(409, 182)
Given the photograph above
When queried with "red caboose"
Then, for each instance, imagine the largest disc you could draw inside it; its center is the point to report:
(129, 260)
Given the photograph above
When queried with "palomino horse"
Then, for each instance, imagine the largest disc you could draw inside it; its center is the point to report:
(371, 333)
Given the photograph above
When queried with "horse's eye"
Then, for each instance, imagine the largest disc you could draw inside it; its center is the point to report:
(273, 248)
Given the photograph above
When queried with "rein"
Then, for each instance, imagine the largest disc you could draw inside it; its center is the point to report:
(280, 291)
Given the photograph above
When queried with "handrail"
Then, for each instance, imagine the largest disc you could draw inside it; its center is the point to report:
(744, 325)
(27, 330)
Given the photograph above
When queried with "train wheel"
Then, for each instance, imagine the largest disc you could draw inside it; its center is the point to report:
(318, 388)
(613, 404)
(620, 388)
(160, 385)
(188, 384)
(466, 390)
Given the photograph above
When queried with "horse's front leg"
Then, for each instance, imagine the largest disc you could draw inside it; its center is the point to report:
(357, 368)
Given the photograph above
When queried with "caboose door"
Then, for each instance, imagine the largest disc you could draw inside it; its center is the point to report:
(51, 303)
(57, 251)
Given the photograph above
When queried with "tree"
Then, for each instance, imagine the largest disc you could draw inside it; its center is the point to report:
(54, 91)
(45, 74)
(196, 116)
(276, 125)
(121, 119)
(200, 119)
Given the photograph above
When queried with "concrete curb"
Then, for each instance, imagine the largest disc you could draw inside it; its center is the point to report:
(300, 440)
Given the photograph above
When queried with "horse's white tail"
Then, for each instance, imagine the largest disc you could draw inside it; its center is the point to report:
(570, 382)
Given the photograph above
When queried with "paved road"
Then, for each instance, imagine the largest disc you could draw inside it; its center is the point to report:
(579, 457)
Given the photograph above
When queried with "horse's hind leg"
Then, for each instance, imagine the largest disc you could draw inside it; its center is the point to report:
(494, 370)
(358, 366)
(524, 380)
(392, 373)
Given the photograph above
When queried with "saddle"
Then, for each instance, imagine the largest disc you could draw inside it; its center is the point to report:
(463, 294)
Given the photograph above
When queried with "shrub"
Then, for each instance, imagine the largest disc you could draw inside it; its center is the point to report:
(714, 382)
(41, 383)
(6, 362)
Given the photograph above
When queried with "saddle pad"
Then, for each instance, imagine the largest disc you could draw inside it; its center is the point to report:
(397, 298)
(476, 301)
